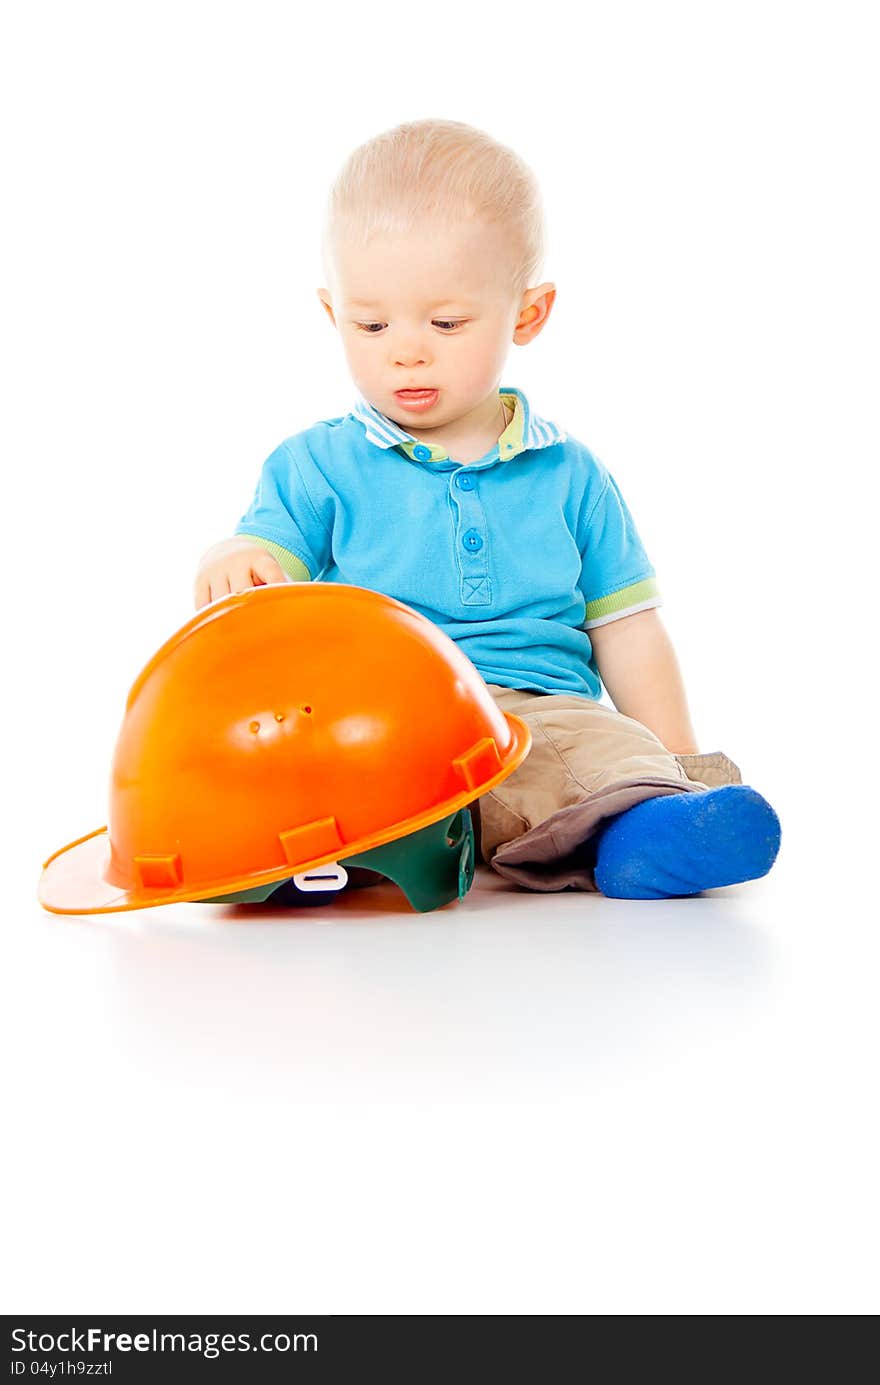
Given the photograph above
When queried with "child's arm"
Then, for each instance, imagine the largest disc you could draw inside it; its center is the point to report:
(638, 666)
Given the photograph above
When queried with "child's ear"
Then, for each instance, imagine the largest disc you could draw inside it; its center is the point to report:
(534, 311)
(327, 302)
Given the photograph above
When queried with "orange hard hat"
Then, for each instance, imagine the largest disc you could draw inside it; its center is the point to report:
(282, 728)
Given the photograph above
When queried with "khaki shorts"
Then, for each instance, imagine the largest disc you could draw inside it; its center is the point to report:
(587, 763)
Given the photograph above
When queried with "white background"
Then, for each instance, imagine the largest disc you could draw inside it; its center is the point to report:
(558, 1104)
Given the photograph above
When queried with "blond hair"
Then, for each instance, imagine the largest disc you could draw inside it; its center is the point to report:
(430, 167)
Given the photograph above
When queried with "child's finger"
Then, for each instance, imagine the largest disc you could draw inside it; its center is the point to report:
(266, 570)
(202, 593)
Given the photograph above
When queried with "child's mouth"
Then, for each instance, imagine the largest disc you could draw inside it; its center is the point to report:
(416, 400)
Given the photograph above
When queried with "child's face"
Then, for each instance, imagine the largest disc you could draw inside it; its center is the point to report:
(430, 309)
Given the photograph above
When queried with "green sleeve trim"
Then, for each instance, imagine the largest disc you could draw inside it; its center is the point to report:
(637, 595)
(293, 566)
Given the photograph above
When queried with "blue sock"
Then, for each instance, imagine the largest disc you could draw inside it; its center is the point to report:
(682, 843)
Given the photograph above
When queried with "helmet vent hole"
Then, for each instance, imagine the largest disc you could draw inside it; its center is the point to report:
(254, 726)
(307, 709)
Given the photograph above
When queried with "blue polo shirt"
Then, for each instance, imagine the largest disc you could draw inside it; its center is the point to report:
(516, 556)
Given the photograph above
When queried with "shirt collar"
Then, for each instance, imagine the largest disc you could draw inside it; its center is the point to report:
(526, 430)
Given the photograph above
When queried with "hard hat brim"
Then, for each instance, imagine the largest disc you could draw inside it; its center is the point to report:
(73, 878)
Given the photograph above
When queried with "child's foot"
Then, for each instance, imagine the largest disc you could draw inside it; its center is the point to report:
(683, 843)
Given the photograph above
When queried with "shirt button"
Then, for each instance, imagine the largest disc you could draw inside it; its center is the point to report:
(472, 541)
(423, 453)
(465, 483)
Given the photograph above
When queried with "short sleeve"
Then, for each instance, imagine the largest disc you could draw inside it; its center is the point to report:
(283, 514)
(617, 578)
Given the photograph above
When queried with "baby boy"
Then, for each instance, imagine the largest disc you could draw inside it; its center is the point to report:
(446, 490)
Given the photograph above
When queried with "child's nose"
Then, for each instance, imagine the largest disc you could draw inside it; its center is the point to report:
(409, 347)
(410, 356)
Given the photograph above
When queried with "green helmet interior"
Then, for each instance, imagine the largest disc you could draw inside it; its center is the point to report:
(433, 866)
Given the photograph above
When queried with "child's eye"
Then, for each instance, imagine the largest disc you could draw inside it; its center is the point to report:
(448, 324)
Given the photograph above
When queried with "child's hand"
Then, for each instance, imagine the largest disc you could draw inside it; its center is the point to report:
(233, 566)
